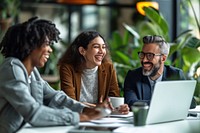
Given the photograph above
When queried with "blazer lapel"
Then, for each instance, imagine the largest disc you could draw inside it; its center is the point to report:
(102, 75)
(164, 74)
(77, 82)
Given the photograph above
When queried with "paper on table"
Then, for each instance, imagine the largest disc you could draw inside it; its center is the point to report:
(130, 114)
(111, 120)
(110, 125)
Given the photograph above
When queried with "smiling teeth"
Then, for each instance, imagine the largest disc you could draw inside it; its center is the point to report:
(99, 58)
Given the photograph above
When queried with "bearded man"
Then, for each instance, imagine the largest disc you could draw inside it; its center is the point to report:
(139, 83)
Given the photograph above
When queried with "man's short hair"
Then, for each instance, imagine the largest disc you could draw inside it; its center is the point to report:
(159, 40)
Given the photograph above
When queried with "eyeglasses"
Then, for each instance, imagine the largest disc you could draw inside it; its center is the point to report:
(149, 56)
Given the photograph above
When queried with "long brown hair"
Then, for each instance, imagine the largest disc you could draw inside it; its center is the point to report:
(72, 55)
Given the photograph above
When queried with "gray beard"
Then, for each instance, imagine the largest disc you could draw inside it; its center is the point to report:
(153, 71)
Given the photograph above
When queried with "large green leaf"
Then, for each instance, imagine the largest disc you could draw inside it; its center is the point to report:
(131, 30)
(173, 48)
(116, 40)
(190, 56)
(193, 42)
(125, 38)
(147, 28)
(157, 19)
(122, 57)
(184, 40)
(183, 34)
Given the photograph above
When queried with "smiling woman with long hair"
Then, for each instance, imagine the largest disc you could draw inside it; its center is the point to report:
(86, 70)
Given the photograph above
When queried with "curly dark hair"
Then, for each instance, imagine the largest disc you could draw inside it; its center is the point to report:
(72, 55)
(21, 39)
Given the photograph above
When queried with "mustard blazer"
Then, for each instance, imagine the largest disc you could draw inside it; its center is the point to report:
(107, 81)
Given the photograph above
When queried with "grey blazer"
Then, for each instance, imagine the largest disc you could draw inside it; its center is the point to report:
(30, 99)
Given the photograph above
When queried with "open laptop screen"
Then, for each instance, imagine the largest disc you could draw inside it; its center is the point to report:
(170, 101)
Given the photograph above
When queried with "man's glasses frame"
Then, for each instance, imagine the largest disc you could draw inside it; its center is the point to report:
(149, 56)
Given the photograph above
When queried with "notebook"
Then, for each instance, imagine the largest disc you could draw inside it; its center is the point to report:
(170, 101)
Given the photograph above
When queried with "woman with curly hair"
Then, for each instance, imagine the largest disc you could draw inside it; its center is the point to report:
(24, 95)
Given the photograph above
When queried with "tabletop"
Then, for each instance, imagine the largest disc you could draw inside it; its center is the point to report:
(123, 125)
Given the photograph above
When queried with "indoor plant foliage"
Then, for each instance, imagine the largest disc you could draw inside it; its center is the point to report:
(9, 9)
(8, 12)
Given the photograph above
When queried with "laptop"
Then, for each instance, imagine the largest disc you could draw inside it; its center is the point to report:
(170, 101)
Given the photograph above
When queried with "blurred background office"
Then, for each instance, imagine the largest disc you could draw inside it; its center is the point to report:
(123, 23)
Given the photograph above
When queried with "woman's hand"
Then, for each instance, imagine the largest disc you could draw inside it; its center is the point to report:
(90, 114)
(105, 104)
(89, 104)
(97, 112)
(122, 109)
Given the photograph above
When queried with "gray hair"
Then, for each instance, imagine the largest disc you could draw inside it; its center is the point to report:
(159, 40)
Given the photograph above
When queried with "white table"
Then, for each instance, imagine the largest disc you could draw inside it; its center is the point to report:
(183, 126)
(57, 129)
(190, 125)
